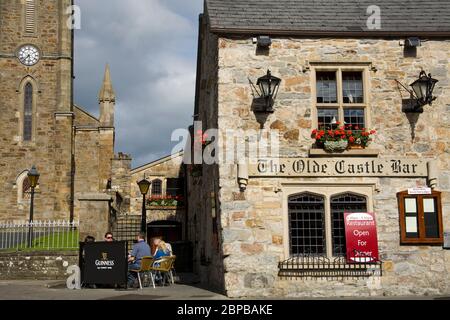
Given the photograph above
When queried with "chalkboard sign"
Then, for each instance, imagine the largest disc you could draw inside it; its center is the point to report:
(104, 263)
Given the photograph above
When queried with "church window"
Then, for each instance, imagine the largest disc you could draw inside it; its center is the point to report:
(28, 113)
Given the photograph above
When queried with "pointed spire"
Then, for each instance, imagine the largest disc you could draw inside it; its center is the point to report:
(107, 92)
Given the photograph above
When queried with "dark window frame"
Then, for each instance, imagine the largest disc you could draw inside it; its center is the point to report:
(421, 239)
(157, 186)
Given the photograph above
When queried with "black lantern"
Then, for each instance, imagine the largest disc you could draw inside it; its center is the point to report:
(269, 86)
(423, 89)
(144, 186)
(33, 177)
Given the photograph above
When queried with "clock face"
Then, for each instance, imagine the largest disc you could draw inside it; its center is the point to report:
(28, 55)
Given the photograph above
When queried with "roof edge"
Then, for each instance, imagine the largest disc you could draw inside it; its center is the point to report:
(156, 162)
(358, 34)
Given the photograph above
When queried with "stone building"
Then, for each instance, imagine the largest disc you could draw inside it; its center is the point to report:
(42, 126)
(274, 226)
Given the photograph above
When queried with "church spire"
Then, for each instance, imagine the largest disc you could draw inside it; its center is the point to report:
(107, 91)
(107, 100)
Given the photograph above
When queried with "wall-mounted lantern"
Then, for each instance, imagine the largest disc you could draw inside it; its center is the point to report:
(423, 89)
(422, 93)
(268, 90)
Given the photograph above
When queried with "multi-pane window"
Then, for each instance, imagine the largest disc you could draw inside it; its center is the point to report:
(26, 189)
(175, 187)
(28, 113)
(339, 205)
(420, 218)
(156, 187)
(307, 224)
(340, 98)
(326, 87)
(316, 226)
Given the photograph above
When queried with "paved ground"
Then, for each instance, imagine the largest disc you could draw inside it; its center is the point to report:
(56, 290)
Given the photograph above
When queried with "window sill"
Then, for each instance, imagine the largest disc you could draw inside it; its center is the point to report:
(320, 153)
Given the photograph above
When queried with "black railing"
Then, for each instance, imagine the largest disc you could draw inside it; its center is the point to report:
(314, 266)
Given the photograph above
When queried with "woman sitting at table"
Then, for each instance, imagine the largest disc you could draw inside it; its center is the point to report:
(161, 249)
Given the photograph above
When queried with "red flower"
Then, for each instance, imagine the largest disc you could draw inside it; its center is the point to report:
(314, 132)
(349, 132)
(338, 123)
(352, 139)
(373, 132)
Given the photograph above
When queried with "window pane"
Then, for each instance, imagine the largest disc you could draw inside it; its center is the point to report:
(352, 85)
(431, 218)
(156, 187)
(326, 87)
(325, 118)
(354, 118)
(343, 203)
(307, 225)
(175, 187)
(28, 113)
(411, 218)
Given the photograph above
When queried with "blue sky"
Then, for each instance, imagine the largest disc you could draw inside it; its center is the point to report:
(151, 46)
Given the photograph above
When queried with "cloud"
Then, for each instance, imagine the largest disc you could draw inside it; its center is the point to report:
(151, 48)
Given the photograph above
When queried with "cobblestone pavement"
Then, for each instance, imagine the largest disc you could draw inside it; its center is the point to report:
(56, 290)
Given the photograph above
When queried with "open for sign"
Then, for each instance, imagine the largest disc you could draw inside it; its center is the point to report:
(361, 237)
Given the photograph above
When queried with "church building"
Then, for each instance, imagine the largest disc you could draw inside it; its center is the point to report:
(41, 126)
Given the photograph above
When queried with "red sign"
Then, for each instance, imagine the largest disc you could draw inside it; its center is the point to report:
(361, 237)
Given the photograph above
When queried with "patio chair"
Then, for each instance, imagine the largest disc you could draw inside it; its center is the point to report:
(146, 266)
(164, 267)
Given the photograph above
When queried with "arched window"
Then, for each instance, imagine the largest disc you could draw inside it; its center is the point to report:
(30, 17)
(156, 187)
(307, 224)
(347, 202)
(28, 112)
(23, 188)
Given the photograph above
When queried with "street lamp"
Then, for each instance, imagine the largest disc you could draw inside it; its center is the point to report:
(144, 186)
(33, 178)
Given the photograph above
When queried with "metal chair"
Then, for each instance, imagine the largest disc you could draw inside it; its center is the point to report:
(164, 267)
(146, 267)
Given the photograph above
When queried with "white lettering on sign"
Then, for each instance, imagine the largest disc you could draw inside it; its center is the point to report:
(419, 190)
(353, 167)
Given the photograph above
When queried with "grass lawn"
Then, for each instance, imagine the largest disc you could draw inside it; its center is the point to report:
(61, 241)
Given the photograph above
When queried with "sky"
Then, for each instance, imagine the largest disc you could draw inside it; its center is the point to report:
(151, 47)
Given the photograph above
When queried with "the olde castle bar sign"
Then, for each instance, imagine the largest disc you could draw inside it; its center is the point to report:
(355, 167)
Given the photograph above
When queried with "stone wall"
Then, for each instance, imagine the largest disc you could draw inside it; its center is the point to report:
(120, 181)
(36, 265)
(203, 191)
(254, 222)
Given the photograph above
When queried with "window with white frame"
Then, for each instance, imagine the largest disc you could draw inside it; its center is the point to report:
(341, 97)
(316, 222)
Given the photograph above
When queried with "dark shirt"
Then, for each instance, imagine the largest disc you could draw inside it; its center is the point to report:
(140, 249)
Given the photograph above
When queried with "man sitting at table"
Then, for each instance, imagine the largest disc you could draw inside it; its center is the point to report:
(140, 249)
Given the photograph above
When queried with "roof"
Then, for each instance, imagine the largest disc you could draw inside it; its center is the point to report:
(156, 162)
(310, 17)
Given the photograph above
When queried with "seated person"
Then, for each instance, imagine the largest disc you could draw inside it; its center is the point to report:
(140, 249)
(162, 249)
(109, 237)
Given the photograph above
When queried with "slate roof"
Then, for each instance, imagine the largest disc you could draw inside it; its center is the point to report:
(413, 17)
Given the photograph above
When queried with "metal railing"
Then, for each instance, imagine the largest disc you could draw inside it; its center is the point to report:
(39, 235)
(314, 266)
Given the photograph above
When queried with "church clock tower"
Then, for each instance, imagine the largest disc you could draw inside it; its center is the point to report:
(36, 107)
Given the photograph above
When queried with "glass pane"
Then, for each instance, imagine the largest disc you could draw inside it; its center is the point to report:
(411, 220)
(28, 113)
(307, 225)
(410, 205)
(156, 187)
(411, 225)
(175, 187)
(431, 218)
(325, 118)
(343, 203)
(352, 86)
(326, 87)
(354, 119)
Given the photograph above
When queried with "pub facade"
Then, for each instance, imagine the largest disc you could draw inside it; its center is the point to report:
(355, 103)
